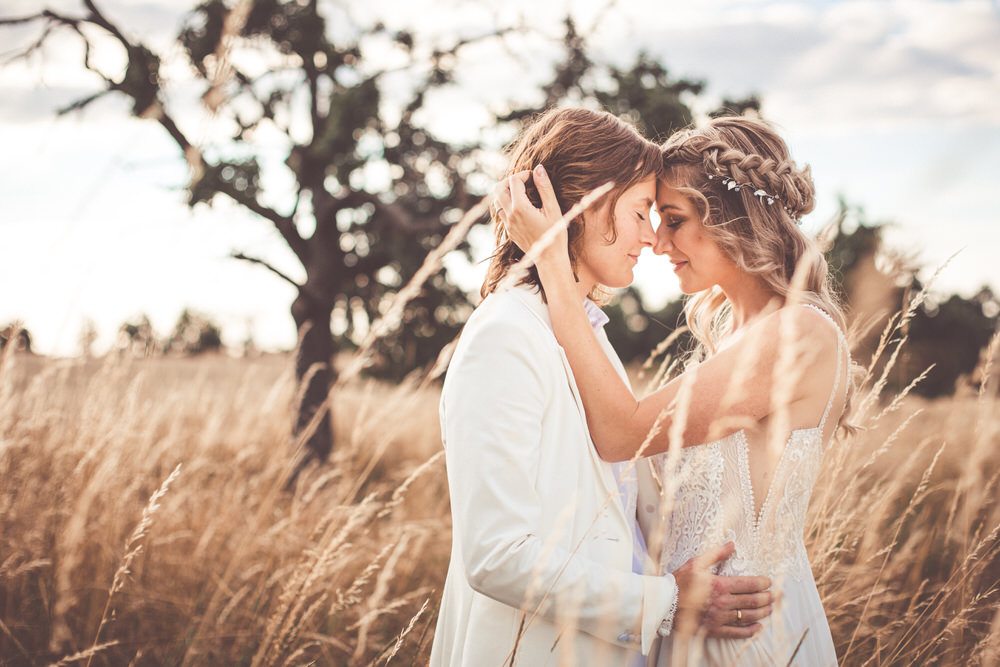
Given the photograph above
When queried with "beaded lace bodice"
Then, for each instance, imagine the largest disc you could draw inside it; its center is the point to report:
(709, 499)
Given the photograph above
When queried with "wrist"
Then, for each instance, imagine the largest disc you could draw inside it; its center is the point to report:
(555, 270)
(667, 624)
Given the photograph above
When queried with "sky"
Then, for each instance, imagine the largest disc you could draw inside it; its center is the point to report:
(895, 105)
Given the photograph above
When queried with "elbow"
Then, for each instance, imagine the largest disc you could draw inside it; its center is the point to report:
(480, 571)
(484, 583)
(614, 452)
(479, 581)
(491, 570)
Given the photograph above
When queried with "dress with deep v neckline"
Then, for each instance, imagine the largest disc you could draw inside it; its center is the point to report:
(707, 498)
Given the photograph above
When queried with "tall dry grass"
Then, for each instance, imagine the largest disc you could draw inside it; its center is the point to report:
(226, 568)
(904, 523)
(223, 567)
(145, 520)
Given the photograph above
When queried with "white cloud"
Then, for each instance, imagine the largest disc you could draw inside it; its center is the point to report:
(893, 102)
(840, 64)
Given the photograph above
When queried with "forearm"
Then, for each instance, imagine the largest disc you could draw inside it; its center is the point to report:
(561, 586)
(616, 424)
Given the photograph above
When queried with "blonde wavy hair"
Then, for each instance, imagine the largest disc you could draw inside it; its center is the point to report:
(762, 238)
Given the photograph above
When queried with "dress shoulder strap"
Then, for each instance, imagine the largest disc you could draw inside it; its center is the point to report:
(841, 347)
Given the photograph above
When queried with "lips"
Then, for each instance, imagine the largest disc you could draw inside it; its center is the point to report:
(678, 265)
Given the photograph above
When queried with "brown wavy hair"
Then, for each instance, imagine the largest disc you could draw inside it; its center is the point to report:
(763, 237)
(581, 150)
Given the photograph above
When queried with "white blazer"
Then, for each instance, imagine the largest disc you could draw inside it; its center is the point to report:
(541, 560)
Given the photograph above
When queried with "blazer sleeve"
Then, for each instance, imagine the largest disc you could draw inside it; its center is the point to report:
(492, 409)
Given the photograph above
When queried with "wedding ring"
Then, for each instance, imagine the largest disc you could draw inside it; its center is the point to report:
(739, 615)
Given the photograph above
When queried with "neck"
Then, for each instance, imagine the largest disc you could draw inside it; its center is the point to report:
(585, 283)
(750, 299)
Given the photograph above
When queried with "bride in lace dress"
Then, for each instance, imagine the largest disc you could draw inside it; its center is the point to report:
(737, 439)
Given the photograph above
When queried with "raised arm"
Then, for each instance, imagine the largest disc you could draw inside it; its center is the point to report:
(761, 374)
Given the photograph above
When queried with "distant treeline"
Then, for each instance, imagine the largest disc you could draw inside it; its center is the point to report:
(194, 333)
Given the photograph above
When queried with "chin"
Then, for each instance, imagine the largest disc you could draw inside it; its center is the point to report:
(689, 289)
(617, 282)
(621, 284)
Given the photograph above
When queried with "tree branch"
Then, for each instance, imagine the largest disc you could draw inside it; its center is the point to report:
(17, 20)
(257, 260)
(156, 110)
(33, 47)
(284, 224)
(82, 103)
(453, 50)
(51, 17)
(97, 18)
(396, 216)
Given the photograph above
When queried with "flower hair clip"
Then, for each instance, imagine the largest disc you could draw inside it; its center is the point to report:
(761, 194)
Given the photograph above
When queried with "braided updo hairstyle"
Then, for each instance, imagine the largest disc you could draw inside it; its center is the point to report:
(750, 194)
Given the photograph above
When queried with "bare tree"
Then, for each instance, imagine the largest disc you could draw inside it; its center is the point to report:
(342, 113)
(360, 245)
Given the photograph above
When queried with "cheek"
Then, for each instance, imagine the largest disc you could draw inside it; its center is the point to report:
(721, 264)
(704, 244)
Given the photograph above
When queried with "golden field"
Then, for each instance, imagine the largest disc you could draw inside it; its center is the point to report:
(225, 566)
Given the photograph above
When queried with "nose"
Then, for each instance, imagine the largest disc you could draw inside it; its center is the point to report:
(647, 237)
(664, 243)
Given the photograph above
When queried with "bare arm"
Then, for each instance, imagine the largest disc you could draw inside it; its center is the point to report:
(735, 388)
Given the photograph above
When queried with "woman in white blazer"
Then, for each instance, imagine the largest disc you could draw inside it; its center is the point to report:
(541, 568)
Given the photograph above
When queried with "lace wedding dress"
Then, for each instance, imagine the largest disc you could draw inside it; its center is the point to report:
(712, 503)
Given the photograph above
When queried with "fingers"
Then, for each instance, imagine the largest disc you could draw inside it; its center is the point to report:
(753, 600)
(735, 623)
(713, 556)
(550, 204)
(728, 602)
(502, 190)
(501, 194)
(740, 609)
(743, 585)
(737, 617)
(741, 617)
(518, 195)
(734, 631)
(724, 607)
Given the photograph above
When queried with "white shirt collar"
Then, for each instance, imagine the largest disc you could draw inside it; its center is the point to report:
(596, 316)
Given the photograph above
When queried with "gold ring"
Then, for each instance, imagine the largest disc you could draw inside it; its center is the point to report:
(739, 615)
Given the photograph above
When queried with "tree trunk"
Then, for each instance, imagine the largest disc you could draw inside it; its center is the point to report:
(314, 373)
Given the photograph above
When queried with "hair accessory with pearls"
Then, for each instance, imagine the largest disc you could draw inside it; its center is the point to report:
(762, 195)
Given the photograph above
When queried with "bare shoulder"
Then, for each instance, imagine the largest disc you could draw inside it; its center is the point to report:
(799, 324)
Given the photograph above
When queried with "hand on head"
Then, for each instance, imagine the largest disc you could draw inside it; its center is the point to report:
(525, 223)
(728, 607)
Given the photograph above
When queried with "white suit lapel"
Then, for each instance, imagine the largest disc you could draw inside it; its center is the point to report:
(533, 300)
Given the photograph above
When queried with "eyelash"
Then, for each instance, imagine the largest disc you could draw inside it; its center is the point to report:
(674, 223)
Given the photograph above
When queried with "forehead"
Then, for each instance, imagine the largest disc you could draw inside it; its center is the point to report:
(642, 192)
(668, 195)
(680, 176)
